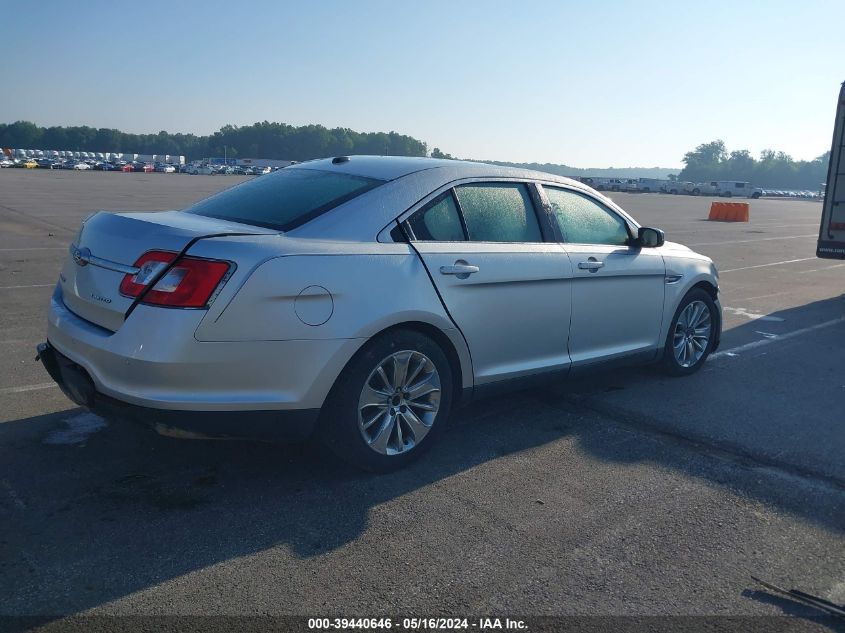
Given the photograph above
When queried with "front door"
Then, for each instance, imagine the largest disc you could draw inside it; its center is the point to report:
(617, 289)
(506, 289)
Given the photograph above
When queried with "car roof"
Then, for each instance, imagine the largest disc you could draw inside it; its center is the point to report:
(393, 167)
(408, 182)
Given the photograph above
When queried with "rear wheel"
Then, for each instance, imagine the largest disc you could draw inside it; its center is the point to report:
(696, 191)
(692, 334)
(390, 403)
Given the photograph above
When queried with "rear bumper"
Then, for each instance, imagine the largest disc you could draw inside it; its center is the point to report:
(77, 385)
(154, 361)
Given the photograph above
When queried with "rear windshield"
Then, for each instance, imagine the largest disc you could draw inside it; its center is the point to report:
(285, 199)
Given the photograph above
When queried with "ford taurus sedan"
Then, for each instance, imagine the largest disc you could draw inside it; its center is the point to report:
(359, 299)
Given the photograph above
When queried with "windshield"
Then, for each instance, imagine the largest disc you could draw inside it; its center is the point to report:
(285, 199)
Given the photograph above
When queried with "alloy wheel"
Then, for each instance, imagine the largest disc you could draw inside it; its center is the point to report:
(399, 402)
(692, 333)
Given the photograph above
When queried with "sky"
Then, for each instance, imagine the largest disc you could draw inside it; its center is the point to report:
(596, 84)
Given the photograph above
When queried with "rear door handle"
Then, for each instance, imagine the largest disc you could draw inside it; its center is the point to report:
(592, 265)
(460, 269)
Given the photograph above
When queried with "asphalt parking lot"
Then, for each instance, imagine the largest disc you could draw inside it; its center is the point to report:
(625, 494)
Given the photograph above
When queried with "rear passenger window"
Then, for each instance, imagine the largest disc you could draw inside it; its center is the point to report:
(584, 221)
(498, 212)
(438, 221)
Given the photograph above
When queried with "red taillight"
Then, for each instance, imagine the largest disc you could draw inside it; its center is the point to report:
(188, 284)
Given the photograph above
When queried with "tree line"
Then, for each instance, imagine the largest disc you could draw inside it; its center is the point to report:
(259, 140)
(600, 172)
(712, 161)
(708, 161)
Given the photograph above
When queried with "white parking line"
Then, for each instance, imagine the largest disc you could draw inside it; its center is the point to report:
(79, 428)
(31, 286)
(751, 315)
(774, 294)
(34, 248)
(759, 239)
(736, 351)
(788, 261)
(25, 388)
(756, 225)
(815, 270)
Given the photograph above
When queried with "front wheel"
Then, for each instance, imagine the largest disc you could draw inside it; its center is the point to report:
(692, 334)
(390, 402)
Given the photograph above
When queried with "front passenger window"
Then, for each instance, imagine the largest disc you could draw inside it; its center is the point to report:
(583, 221)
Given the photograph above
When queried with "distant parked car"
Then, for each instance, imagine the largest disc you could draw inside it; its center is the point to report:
(30, 164)
(127, 167)
(164, 168)
(208, 170)
(5, 163)
(82, 166)
(105, 167)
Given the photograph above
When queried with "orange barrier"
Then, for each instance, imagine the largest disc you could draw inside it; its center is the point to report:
(729, 211)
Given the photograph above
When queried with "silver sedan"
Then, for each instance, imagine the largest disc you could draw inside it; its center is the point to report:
(362, 298)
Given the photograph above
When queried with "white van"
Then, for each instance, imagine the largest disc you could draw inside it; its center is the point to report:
(725, 189)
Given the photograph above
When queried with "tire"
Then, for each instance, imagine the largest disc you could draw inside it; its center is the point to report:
(674, 192)
(695, 192)
(379, 446)
(728, 194)
(673, 359)
(755, 195)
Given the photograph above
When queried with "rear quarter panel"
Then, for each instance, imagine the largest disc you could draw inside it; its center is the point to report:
(322, 291)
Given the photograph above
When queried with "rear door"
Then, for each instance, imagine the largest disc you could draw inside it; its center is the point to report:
(617, 290)
(506, 288)
(831, 244)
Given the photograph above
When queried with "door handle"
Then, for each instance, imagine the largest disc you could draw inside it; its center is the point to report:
(592, 265)
(460, 269)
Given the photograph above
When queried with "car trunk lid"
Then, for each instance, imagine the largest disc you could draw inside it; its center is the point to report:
(108, 245)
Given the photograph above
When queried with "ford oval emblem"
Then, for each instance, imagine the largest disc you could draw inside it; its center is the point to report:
(82, 256)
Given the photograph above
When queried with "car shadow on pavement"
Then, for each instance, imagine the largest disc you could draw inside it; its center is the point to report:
(118, 509)
(772, 402)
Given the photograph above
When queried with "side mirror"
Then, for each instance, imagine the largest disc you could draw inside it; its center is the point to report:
(650, 238)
